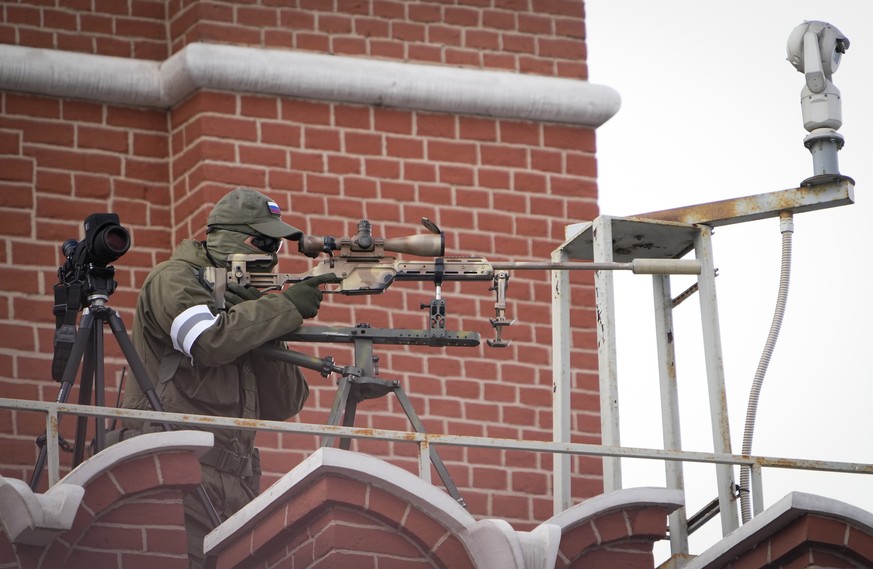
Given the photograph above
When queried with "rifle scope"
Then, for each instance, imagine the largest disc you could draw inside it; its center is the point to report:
(364, 244)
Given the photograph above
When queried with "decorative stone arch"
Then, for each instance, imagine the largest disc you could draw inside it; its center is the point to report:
(341, 508)
(120, 506)
(617, 529)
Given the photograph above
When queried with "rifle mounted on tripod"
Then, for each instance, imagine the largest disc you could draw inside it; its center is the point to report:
(364, 265)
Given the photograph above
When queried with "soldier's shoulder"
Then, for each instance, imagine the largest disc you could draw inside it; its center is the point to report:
(173, 268)
(182, 265)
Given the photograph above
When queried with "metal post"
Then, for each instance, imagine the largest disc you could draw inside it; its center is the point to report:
(670, 405)
(424, 460)
(721, 438)
(757, 490)
(606, 351)
(52, 427)
(561, 381)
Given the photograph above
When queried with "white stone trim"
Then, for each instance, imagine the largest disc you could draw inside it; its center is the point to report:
(196, 442)
(667, 498)
(775, 518)
(357, 466)
(37, 519)
(305, 75)
(492, 543)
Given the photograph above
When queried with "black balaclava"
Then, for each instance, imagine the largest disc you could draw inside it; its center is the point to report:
(222, 243)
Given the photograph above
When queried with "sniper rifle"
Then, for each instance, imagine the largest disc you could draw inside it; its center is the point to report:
(364, 266)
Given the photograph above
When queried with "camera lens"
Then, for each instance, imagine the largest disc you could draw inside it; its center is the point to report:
(116, 239)
(69, 247)
(110, 243)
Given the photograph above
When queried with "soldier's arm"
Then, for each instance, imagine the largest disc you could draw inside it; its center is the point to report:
(213, 338)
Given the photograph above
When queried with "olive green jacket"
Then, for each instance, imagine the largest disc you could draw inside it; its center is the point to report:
(200, 358)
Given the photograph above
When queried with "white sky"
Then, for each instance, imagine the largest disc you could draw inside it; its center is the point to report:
(710, 111)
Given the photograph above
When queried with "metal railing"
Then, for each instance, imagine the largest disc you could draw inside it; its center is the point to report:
(53, 411)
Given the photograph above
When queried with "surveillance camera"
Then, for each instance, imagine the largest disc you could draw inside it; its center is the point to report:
(815, 49)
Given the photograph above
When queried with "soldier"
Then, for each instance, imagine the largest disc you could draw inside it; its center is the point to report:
(201, 357)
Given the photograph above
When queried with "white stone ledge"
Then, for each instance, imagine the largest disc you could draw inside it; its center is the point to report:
(286, 73)
(775, 519)
(37, 519)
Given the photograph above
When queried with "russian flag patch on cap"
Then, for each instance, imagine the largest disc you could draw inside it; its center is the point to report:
(274, 207)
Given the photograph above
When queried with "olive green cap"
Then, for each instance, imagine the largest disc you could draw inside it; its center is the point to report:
(243, 206)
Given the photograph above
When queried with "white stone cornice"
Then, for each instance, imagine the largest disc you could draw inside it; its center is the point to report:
(305, 75)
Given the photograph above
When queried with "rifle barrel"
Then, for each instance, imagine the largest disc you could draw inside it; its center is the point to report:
(638, 266)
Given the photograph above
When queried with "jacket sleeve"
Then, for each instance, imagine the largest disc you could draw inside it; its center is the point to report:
(185, 310)
(244, 327)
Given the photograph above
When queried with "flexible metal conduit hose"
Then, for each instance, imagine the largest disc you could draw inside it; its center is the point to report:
(786, 226)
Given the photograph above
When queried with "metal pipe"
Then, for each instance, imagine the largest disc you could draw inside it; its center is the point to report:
(433, 438)
(786, 225)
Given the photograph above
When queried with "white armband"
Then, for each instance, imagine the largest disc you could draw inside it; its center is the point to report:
(188, 326)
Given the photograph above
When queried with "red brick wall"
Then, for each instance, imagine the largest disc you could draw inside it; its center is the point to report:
(131, 515)
(500, 188)
(544, 37)
(122, 28)
(312, 530)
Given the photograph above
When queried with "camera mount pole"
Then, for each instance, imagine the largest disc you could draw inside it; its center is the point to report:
(88, 350)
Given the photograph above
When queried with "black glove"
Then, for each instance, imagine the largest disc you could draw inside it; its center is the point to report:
(237, 293)
(306, 296)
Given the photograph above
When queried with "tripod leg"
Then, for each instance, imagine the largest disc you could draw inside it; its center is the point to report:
(438, 463)
(85, 391)
(349, 416)
(339, 403)
(99, 387)
(80, 344)
(136, 365)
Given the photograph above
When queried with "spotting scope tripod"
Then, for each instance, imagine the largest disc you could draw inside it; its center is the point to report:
(88, 350)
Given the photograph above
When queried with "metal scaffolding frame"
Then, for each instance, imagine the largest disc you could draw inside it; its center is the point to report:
(668, 234)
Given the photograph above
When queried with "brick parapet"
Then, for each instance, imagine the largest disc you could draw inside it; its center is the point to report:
(399, 517)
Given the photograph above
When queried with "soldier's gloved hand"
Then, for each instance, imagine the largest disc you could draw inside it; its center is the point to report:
(306, 296)
(237, 293)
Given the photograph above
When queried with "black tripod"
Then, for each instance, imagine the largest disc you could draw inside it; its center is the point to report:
(88, 344)
(360, 382)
